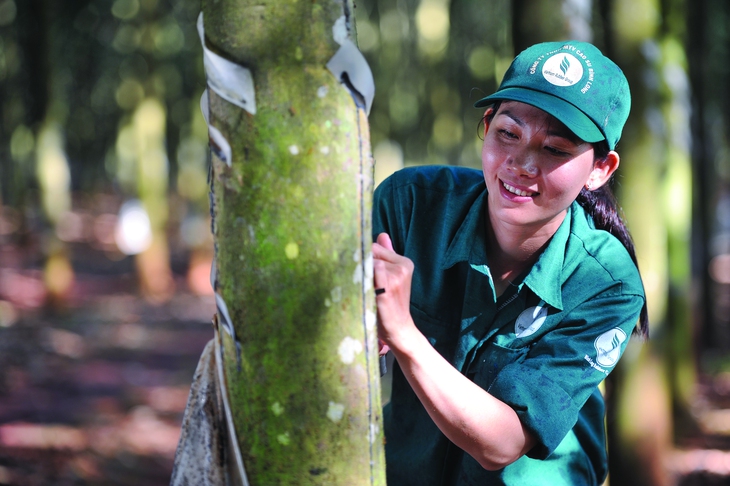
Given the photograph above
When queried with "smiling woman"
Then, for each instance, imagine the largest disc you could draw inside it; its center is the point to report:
(506, 303)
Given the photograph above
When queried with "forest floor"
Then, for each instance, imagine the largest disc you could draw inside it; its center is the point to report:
(97, 396)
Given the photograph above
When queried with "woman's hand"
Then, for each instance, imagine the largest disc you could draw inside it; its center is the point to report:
(393, 273)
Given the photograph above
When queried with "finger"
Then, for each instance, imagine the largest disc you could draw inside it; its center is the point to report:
(383, 249)
(385, 241)
(382, 253)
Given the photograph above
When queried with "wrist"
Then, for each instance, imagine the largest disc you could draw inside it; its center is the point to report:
(407, 341)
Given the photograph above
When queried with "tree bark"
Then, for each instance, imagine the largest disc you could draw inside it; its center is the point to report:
(291, 220)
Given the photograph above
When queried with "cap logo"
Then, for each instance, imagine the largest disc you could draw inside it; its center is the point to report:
(562, 70)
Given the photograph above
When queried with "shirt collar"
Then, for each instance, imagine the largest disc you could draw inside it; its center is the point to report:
(469, 242)
(545, 276)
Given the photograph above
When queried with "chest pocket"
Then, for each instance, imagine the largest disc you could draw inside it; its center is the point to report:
(491, 359)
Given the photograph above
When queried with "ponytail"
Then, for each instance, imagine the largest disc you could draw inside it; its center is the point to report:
(601, 205)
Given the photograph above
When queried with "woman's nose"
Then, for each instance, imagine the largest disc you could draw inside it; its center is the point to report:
(524, 164)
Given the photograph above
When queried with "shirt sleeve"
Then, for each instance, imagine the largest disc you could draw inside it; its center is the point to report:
(561, 370)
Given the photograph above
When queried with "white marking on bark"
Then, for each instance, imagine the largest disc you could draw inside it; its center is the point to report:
(348, 349)
(368, 271)
(339, 30)
(336, 294)
(371, 320)
(357, 276)
(335, 411)
(374, 431)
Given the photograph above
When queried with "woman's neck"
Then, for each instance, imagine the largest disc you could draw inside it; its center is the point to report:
(511, 250)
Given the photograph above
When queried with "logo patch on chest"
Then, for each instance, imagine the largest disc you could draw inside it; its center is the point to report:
(530, 320)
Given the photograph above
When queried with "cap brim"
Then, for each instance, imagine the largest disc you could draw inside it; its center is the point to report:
(576, 121)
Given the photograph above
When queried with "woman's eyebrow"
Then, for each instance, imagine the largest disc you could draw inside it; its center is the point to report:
(565, 134)
(513, 117)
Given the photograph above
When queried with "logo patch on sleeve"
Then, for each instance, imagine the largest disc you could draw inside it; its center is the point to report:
(530, 320)
(608, 346)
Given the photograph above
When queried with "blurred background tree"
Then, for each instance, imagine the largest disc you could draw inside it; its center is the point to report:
(103, 156)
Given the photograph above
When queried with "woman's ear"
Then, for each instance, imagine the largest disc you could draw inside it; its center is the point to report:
(487, 116)
(602, 171)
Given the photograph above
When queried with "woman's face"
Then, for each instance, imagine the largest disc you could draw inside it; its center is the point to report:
(534, 167)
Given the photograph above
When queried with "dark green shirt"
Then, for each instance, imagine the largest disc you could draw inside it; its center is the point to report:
(542, 347)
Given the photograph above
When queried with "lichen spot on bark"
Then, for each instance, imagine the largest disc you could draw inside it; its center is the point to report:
(277, 409)
(291, 250)
(348, 349)
(335, 411)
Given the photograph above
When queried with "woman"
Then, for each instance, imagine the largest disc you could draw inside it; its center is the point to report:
(507, 295)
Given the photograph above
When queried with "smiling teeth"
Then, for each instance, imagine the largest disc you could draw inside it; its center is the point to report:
(514, 190)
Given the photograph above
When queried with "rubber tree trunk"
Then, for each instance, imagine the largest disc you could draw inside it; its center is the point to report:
(291, 220)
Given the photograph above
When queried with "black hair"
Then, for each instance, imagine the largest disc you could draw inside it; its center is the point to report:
(603, 208)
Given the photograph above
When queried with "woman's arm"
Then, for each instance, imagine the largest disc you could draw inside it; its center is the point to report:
(483, 426)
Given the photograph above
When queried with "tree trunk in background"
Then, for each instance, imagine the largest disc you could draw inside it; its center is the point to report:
(52, 169)
(654, 380)
(291, 220)
(150, 154)
(535, 21)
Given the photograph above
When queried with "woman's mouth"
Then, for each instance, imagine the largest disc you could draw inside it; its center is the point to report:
(518, 192)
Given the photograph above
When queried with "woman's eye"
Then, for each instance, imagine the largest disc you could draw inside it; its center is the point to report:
(507, 133)
(555, 151)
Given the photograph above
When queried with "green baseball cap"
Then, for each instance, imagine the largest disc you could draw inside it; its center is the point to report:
(574, 82)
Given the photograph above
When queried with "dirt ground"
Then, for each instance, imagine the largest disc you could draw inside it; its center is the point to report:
(94, 395)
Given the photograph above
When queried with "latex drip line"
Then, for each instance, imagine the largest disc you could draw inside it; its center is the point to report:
(218, 143)
(224, 317)
(351, 68)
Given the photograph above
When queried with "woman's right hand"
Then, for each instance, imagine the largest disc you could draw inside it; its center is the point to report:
(393, 273)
